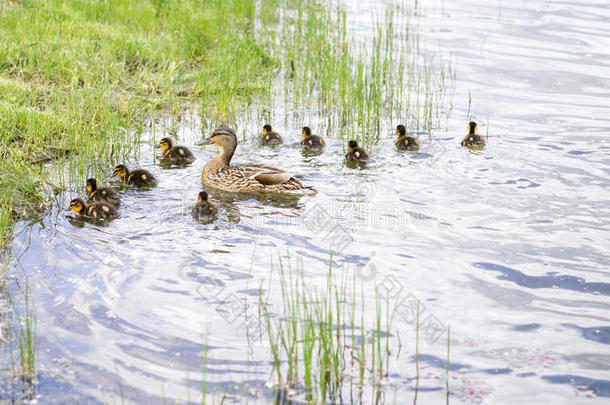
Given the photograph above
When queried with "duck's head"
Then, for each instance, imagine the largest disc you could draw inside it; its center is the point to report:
(165, 144)
(120, 171)
(472, 128)
(351, 145)
(77, 205)
(224, 137)
(203, 197)
(267, 129)
(401, 130)
(306, 132)
(91, 185)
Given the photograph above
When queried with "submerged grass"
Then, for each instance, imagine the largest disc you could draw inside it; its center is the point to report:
(324, 349)
(78, 76)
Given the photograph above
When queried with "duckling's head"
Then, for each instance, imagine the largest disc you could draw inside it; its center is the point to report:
(267, 129)
(203, 197)
(351, 145)
(165, 144)
(472, 128)
(120, 171)
(77, 205)
(91, 185)
(224, 137)
(306, 132)
(401, 130)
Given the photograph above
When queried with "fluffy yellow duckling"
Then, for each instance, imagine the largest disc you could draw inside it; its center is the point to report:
(104, 194)
(98, 210)
(175, 154)
(405, 142)
(313, 142)
(270, 137)
(136, 177)
(355, 153)
(472, 140)
(204, 209)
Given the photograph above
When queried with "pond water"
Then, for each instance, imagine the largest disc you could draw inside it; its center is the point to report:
(509, 246)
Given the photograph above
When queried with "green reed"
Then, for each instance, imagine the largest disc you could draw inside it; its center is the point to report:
(21, 328)
(321, 343)
(358, 88)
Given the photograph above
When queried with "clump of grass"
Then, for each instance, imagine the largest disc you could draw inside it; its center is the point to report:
(359, 89)
(323, 347)
(21, 327)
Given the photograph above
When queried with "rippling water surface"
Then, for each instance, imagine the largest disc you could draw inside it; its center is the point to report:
(509, 246)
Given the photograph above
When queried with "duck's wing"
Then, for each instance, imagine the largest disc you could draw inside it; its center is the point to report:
(266, 175)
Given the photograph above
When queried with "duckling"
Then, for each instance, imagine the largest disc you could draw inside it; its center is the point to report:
(137, 177)
(176, 154)
(270, 137)
(472, 140)
(248, 177)
(98, 210)
(311, 141)
(405, 142)
(356, 153)
(104, 194)
(204, 209)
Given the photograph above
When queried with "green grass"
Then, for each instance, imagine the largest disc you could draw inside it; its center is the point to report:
(78, 78)
(322, 346)
(359, 90)
(21, 328)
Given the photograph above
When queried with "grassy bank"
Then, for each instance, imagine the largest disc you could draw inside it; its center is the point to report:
(78, 76)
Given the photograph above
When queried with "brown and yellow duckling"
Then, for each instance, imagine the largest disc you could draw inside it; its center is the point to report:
(472, 140)
(270, 137)
(404, 142)
(104, 194)
(313, 142)
(248, 177)
(355, 153)
(175, 154)
(204, 209)
(136, 177)
(98, 210)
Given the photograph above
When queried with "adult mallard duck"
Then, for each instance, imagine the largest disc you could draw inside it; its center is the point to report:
(98, 210)
(204, 209)
(270, 137)
(136, 177)
(175, 154)
(313, 142)
(472, 140)
(355, 153)
(101, 194)
(254, 177)
(405, 142)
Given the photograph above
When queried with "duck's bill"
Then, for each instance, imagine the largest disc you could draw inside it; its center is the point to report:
(207, 141)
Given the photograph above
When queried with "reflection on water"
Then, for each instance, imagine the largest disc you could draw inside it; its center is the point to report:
(508, 246)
